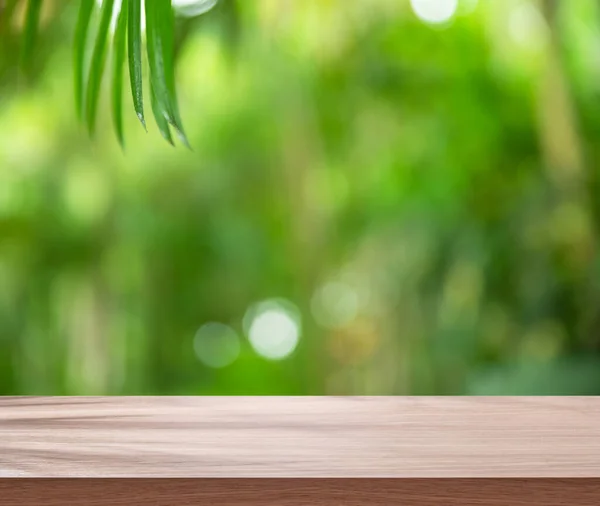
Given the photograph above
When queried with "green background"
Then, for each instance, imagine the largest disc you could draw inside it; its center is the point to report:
(419, 204)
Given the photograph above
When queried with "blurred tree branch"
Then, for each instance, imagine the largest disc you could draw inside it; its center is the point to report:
(558, 124)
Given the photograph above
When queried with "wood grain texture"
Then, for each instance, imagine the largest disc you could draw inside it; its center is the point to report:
(246, 437)
(300, 492)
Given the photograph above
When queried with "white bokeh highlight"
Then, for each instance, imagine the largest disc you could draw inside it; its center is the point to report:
(434, 11)
(273, 328)
(185, 8)
(190, 8)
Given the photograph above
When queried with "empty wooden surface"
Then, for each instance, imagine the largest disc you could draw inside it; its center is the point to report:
(241, 437)
(299, 492)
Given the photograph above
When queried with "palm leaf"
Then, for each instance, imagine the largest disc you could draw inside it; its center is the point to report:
(119, 48)
(168, 34)
(134, 41)
(127, 43)
(97, 65)
(160, 46)
(80, 43)
(159, 117)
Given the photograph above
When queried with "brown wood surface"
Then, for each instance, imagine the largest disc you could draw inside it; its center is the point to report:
(246, 437)
(296, 492)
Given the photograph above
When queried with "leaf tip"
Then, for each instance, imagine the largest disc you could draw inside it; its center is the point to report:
(142, 121)
(121, 141)
(184, 140)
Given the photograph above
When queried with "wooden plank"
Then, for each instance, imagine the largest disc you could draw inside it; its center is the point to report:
(299, 492)
(246, 437)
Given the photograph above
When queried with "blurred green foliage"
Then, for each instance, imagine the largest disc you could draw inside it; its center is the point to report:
(420, 202)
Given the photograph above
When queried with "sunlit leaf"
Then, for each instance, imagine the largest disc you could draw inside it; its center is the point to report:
(119, 47)
(134, 41)
(97, 65)
(86, 8)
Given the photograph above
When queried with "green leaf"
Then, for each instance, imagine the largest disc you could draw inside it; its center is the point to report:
(161, 121)
(160, 41)
(32, 22)
(97, 65)
(156, 32)
(119, 46)
(134, 41)
(86, 8)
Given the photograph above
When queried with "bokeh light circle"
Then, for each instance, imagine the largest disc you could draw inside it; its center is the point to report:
(273, 328)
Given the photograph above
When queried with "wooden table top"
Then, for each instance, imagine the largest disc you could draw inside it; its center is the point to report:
(274, 437)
